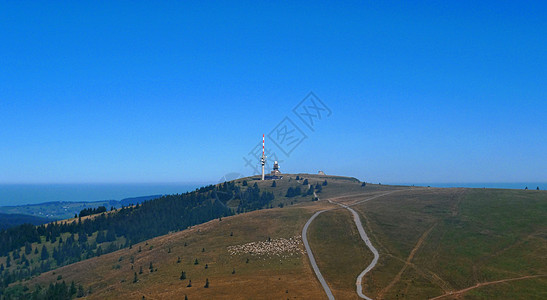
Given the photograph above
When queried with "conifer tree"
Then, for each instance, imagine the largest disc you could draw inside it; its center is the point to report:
(44, 255)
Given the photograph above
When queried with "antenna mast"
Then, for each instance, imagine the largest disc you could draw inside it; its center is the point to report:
(263, 158)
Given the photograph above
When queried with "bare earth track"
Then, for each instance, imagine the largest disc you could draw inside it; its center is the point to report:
(407, 263)
(312, 258)
(362, 233)
(478, 285)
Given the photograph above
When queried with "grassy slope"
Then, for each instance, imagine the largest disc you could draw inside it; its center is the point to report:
(340, 256)
(467, 236)
(280, 190)
(111, 276)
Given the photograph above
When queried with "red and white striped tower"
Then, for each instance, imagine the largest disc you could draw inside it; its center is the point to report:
(263, 159)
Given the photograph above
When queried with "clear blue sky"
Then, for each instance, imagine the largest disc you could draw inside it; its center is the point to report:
(120, 91)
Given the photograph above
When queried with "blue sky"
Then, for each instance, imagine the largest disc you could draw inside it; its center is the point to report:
(119, 91)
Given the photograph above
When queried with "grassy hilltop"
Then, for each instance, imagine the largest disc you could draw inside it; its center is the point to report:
(433, 242)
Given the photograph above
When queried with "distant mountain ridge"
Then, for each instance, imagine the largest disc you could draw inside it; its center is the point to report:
(59, 210)
(10, 220)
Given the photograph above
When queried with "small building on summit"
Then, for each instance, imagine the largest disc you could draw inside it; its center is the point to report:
(275, 170)
(275, 173)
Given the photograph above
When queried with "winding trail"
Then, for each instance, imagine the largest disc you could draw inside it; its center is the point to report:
(457, 293)
(364, 237)
(312, 258)
(407, 262)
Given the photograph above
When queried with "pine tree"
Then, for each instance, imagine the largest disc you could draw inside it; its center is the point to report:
(72, 288)
(274, 184)
(206, 283)
(81, 291)
(183, 275)
(189, 283)
(196, 262)
(135, 279)
(44, 255)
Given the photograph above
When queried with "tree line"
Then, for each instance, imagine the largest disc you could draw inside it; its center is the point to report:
(92, 211)
(123, 228)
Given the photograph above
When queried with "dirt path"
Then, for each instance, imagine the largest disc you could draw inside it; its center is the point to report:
(364, 237)
(407, 263)
(312, 258)
(460, 292)
(362, 233)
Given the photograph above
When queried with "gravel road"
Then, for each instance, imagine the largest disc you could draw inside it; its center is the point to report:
(312, 258)
(364, 237)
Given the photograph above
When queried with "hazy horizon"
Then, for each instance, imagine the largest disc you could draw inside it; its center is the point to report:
(22, 194)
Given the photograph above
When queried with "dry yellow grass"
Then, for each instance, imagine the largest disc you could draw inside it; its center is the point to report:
(414, 229)
(111, 276)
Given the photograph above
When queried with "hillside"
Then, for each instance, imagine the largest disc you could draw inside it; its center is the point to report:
(432, 243)
(445, 243)
(26, 251)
